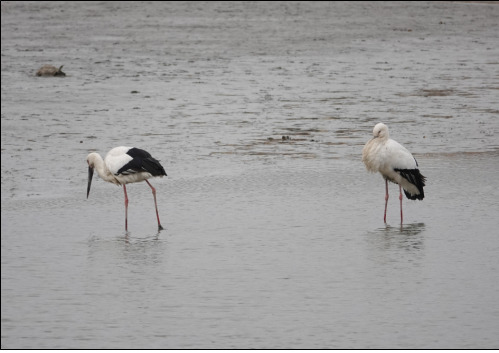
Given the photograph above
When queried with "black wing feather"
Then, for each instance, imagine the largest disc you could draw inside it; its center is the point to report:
(415, 177)
(142, 162)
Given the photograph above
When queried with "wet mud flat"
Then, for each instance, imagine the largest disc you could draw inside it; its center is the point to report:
(274, 232)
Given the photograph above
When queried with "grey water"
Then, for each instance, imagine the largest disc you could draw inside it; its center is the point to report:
(274, 234)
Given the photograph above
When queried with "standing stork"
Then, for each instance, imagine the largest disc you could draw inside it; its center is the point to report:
(395, 163)
(124, 165)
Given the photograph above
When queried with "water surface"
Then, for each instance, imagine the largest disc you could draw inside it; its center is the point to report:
(274, 233)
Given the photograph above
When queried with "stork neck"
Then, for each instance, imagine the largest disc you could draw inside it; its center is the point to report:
(101, 168)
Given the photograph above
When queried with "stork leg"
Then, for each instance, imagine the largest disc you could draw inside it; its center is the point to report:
(126, 208)
(400, 198)
(155, 204)
(386, 198)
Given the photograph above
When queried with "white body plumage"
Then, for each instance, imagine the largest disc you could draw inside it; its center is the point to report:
(109, 168)
(386, 156)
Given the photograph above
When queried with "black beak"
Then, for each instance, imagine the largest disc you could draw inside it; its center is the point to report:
(90, 175)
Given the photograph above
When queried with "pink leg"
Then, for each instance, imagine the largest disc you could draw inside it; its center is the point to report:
(400, 198)
(386, 198)
(126, 208)
(155, 204)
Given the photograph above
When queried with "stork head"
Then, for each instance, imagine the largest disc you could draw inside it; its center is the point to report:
(380, 131)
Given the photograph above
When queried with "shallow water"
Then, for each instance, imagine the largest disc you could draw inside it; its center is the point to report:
(269, 242)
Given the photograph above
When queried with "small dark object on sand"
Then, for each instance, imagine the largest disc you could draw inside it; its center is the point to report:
(49, 70)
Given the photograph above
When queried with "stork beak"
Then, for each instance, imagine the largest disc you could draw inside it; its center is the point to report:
(90, 175)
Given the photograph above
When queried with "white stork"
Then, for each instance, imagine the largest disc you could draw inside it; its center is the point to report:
(124, 165)
(395, 163)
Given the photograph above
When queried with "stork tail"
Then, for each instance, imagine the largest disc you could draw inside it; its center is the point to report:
(417, 179)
